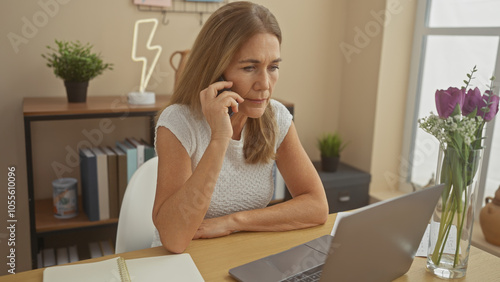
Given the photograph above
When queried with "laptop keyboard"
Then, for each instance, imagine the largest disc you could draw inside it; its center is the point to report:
(312, 274)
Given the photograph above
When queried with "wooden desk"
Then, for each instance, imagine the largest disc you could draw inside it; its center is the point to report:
(214, 257)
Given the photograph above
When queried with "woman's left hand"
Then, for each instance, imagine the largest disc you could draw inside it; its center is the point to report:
(214, 227)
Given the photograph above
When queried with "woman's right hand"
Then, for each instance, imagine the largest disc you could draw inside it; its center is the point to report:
(215, 108)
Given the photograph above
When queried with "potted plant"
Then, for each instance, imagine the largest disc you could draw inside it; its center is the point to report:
(76, 65)
(330, 145)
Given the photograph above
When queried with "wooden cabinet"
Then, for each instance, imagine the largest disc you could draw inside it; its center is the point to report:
(42, 221)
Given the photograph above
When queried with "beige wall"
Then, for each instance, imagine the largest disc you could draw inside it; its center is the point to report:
(360, 80)
(391, 98)
(329, 91)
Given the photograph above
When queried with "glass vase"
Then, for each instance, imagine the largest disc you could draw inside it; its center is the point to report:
(452, 221)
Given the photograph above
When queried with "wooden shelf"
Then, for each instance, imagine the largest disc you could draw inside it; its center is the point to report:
(55, 106)
(46, 222)
(43, 224)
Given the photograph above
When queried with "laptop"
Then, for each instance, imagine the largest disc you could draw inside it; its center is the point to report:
(375, 243)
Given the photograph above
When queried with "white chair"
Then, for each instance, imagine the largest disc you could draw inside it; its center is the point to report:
(135, 224)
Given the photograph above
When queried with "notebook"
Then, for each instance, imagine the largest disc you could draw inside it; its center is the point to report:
(162, 268)
(374, 243)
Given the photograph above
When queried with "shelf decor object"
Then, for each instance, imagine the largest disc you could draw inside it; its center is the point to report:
(489, 218)
(201, 7)
(459, 127)
(156, 3)
(179, 68)
(142, 97)
(76, 64)
(65, 197)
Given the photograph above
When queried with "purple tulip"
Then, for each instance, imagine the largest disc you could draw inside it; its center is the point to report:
(472, 101)
(447, 100)
(493, 101)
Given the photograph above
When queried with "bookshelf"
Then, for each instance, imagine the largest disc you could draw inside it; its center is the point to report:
(42, 221)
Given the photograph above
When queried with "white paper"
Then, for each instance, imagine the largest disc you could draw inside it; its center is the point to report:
(448, 248)
(179, 267)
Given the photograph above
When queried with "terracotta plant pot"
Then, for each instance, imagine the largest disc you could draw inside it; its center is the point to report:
(76, 91)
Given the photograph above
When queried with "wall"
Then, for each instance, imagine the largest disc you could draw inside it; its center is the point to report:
(361, 47)
(391, 99)
(311, 74)
(343, 67)
(377, 50)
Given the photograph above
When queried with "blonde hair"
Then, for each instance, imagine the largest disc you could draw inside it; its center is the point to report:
(225, 31)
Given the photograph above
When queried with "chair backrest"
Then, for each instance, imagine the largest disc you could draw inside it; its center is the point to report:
(135, 224)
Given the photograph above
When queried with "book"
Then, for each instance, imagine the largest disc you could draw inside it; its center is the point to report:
(62, 255)
(88, 177)
(95, 250)
(112, 181)
(140, 150)
(131, 153)
(149, 151)
(179, 267)
(73, 253)
(39, 259)
(106, 248)
(122, 174)
(102, 183)
(49, 257)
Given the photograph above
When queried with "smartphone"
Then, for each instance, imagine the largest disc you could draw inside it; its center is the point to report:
(230, 110)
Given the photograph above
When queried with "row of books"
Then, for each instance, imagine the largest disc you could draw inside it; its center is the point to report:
(51, 256)
(105, 172)
(56, 256)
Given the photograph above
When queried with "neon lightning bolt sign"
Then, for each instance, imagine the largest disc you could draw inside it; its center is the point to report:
(145, 77)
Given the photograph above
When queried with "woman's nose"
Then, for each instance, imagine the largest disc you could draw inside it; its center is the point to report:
(262, 81)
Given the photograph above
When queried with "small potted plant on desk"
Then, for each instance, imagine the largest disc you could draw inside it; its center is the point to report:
(76, 65)
(330, 146)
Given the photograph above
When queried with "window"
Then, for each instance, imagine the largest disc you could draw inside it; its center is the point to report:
(451, 37)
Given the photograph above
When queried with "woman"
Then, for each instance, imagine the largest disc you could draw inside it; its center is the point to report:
(215, 170)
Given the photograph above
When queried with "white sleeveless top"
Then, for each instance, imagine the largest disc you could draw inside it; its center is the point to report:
(240, 186)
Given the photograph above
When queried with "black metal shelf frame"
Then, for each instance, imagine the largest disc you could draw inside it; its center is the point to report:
(29, 158)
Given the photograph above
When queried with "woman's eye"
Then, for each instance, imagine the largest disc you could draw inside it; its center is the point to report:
(249, 68)
(274, 67)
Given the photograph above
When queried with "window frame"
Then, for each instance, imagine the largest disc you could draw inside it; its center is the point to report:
(421, 32)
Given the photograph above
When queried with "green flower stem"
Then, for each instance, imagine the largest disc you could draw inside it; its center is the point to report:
(459, 234)
(460, 134)
(444, 229)
(459, 167)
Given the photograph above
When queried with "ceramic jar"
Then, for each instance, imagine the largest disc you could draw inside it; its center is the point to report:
(181, 64)
(489, 218)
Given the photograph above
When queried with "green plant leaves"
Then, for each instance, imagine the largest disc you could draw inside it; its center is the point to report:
(75, 62)
(330, 145)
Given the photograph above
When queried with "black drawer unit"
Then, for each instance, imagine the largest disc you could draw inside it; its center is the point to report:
(346, 189)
